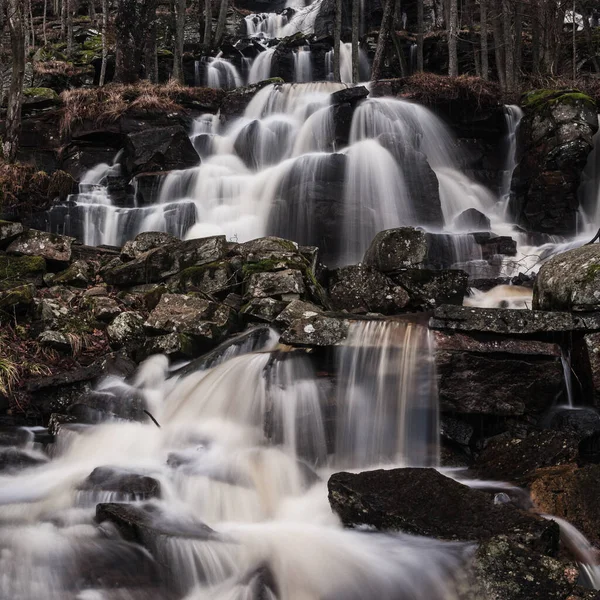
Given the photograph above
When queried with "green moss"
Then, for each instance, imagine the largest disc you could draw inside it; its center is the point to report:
(267, 265)
(18, 296)
(93, 43)
(40, 92)
(538, 99)
(85, 57)
(21, 267)
(591, 273)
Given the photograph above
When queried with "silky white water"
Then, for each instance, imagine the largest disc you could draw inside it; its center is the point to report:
(243, 449)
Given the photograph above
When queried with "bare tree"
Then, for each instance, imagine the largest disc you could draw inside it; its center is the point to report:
(207, 25)
(44, 23)
(589, 36)
(384, 35)
(508, 46)
(499, 42)
(337, 41)
(420, 34)
(220, 32)
(452, 39)
(355, 36)
(10, 144)
(105, 8)
(485, 61)
(70, 7)
(179, 18)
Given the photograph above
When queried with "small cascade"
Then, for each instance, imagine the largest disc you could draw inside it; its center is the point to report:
(303, 21)
(589, 190)
(412, 58)
(261, 66)
(220, 73)
(565, 358)
(387, 399)
(346, 64)
(303, 64)
(513, 115)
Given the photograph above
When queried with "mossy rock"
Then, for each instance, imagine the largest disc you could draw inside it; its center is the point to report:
(538, 99)
(20, 296)
(94, 43)
(40, 95)
(20, 268)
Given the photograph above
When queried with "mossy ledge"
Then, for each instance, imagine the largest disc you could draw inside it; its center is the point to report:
(538, 99)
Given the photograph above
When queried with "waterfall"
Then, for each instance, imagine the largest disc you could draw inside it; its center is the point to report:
(387, 399)
(303, 64)
(221, 73)
(589, 190)
(513, 115)
(266, 25)
(261, 66)
(364, 69)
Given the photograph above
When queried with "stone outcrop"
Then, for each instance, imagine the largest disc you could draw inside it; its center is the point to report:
(554, 140)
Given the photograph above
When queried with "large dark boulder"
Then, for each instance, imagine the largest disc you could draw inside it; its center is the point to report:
(429, 288)
(125, 483)
(425, 502)
(569, 281)
(159, 149)
(554, 141)
(497, 377)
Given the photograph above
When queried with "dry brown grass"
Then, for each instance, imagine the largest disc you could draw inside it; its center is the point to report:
(428, 88)
(106, 104)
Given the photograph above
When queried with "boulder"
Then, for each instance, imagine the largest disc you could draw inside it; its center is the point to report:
(76, 274)
(396, 249)
(159, 149)
(126, 327)
(427, 288)
(363, 289)
(517, 459)
(200, 318)
(55, 340)
(104, 308)
(555, 138)
(497, 377)
(145, 241)
(263, 309)
(109, 479)
(20, 269)
(54, 248)
(8, 232)
(504, 569)
(17, 299)
(425, 502)
(215, 279)
(589, 363)
(582, 422)
(570, 493)
(319, 330)
(569, 281)
(513, 322)
(283, 284)
(298, 309)
(173, 345)
(14, 459)
(165, 261)
(472, 220)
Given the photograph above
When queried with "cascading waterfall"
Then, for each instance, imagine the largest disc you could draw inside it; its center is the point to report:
(220, 73)
(261, 67)
(303, 64)
(513, 116)
(346, 64)
(241, 457)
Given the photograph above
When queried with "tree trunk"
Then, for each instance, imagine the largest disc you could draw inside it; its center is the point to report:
(179, 17)
(64, 9)
(499, 43)
(518, 44)
(221, 23)
(485, 63)
(207, 25)
(574, 43)
(43, 23)
(104, 42)
(10, 144)
(452, 39)
(384, 34)
(508, 46)
(92, 9)
(355, 35)
(32, 26)
(337, 41)
(536, 37)
(69, 7)
(589, 37)
(420, 34)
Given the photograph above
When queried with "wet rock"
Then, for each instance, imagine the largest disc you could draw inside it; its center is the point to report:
(396, 249)
(497, 377)
(263, 309)
(298, 309)
(160, 263)
(14, 436)
(362, 289)
(104, 308)
(173, 345)
(8, 232)
(571, 493)
(126, 327)
(269, 248)
(76, 274)
(554, 141)
(569, 281)
(56, 340)
(197, 317)
(145, 241)
(54, 248)
(109, 479)
(142, 524)
(159, 149)
(320, 330)
(455, 431)
(472, 220)
(20, 269)
(57, 421)
(589, 363)
(280, 284)
(516, 459)
(214, 279)
(425, 502)
(428, 288)
(350, 94)
(582, 422)
(18, 298)
(507, 570)
(14, 459)
(511, 321)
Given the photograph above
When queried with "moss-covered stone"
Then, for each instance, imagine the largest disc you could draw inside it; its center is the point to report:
(19, 268)
(41, 93)
(17, 297)
(538, 98)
